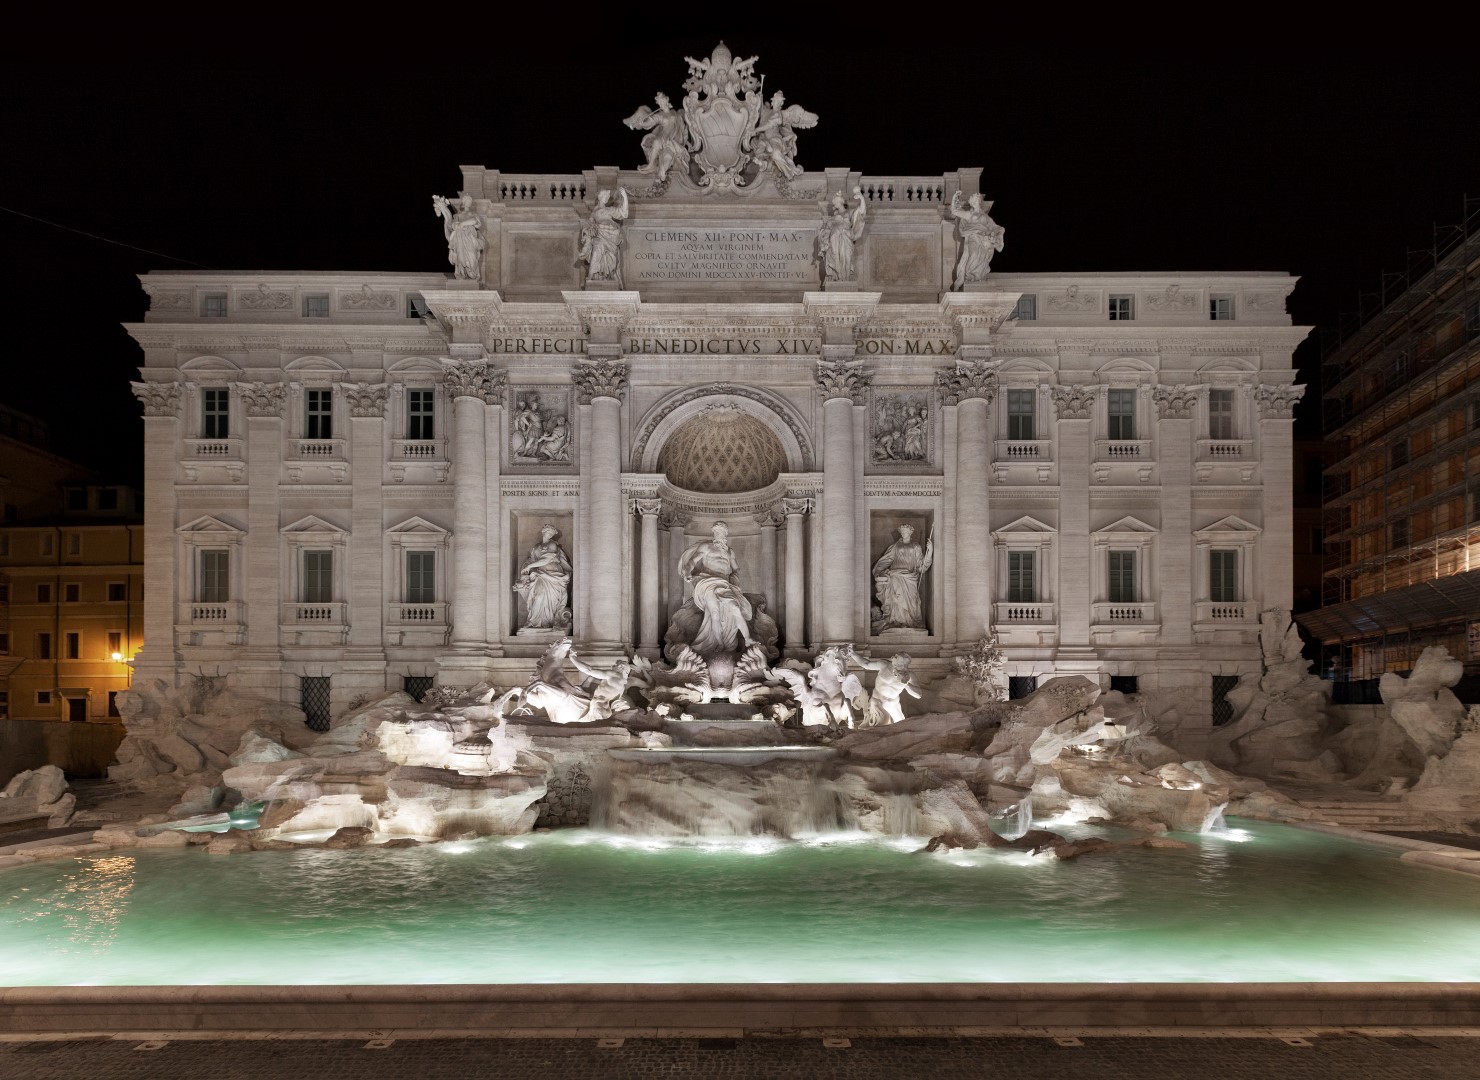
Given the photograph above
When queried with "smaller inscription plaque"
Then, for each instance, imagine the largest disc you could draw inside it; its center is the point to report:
(721, 256)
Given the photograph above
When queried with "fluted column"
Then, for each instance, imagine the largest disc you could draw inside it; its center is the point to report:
(796, 575)
(1276, 587)
(156, 660)
(1175, 572)
(365, 404)
(648, 576)
(843, 383)
(1074, 405)
(674, 521)
(970, 387)
(600, 383)
(470, 383)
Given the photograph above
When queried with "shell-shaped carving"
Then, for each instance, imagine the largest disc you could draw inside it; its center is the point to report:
(722, 451)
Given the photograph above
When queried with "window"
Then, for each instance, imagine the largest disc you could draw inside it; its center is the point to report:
(115, 643)
(213, 586)
(1125, 684)
(1122, 577)
(72, 592)
(1222, 575)
(77, 498)
(1398, 455)
(1122, 308)
(1020, 409)
(43, 646)
(4, 545)
(4, 644)
(1022, 584)
(4, 592)
(1027, 307)
(1223, 685)
(314, 698)
(213, 306)
(419, 414)
(416, 685)
(316, 307)
(421, 577)
(320, 423)
(215, 405)
(318, 577)
(117, 592)
(72, 645)
(47, 544)
(107, 498)
(43, 697)
(113, 703)
(1220, 308)
(74, 543)
(1020, 686)
(43, 593)
(1220, 414)
(1399, 533)
(1122, 406)
(416, 307)
(4, 704)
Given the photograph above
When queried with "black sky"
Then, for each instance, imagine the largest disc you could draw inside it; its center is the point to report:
(1330, 167)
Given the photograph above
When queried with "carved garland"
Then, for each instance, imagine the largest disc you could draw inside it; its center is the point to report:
(599, 378)
(474, 378)
(714, 390)
(843, 379)
(968, 379)
(1175, 402)
(262, 399)
(1277, 402)
(365, 399)
(1073, 402)
(158, 399)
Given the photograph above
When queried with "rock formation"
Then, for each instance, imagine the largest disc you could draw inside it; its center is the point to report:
(38, 793)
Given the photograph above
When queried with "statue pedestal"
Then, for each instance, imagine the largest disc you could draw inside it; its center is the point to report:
(532, 633)
(602, 286)
(898, 637)
(840, 286)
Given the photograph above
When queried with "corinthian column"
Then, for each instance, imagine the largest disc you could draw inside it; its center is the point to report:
(769, 520)
(843, 384)
(674, 521)
(1175, 573)
(156, 660)
(796, 575)
(647, 585)
(970, 387)
(470, 384)
(600, 383)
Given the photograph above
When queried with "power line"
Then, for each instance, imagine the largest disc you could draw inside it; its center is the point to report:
(104, 239)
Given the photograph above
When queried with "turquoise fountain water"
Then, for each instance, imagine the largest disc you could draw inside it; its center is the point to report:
(1257, 904)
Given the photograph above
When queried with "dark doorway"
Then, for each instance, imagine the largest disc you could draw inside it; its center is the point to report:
(77, 709)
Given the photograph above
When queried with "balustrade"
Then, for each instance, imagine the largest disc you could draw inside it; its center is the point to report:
(904, 190)
(1225, 449)
(313, 614)
(1122, 449)
(1024, 450)
(567, 189)
(1224, 611)
(1120, 613)
(214, 449)
(417, 450)
(1032, 612)
(417, 614)
(317, 449)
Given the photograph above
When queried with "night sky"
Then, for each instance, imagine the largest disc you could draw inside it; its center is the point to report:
(1330, 168)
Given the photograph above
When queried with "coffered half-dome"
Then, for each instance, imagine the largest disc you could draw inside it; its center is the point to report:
(722, 450)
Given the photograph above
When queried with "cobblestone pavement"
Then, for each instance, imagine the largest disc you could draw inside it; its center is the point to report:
(1349, 1057)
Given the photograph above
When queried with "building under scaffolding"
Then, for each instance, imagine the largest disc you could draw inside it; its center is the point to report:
(1401, 500)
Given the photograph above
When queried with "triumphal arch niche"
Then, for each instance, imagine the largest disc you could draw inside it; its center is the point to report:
(721, 401)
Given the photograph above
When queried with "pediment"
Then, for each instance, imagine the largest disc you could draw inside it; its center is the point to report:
(313, 363)
(210, 364)
(1024, 365)
(1125, 525)
(1229, 528)
(415, 365)
(313, 524)
(1239, 364)
(1026, 526)
(1125, 365)
(211, 524)
(417, 526)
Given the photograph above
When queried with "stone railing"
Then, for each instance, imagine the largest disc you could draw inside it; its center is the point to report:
(302, 614)
(540, 188)
(417, 614)
(203, 613)
(214, 449)
(317, 449)
(1223, 611)
(1024, 450)
(1022, 612)
(417, 450)
(1225, 449)
(904, 190)
(1122, 449)
(1116, 614)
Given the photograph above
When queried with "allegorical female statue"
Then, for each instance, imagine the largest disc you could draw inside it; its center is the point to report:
(601, 237)
(897, 577)
(544, 584)
(710, 567)
(981, 238)
(840, 229)
(464, 232)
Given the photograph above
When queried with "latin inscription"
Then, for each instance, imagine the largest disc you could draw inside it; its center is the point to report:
(720, 256)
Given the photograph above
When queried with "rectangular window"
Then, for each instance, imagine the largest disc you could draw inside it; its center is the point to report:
(213, 305)
(47, 544)
(1223, 685)
(1020, 686)
(1122, 406)
(1122, 308)
(1398, 455)
(416, 685)
(77, 498)
(316, 307)
(4, 704)
(1027, 307)
(320, 423)
(4, 644)
(4, 545)
(416, 307)
(113, 703)
(117, 591)
(1220, 414)
(43, 593)
(1220, 308)
(1122, 577)
(4, 592)
(1022, 583)
(115, 642)
(43, 697)
(72, 592)
(108, 499)
(421, 577)
(1399, 533)
(1021, 405)
(43, 646)
(72, 644)
(214, 586)
(1125, 684)
(419, 414)
(318, 577)
(215, 403)
(1222, 576)
(314, 700)
(74, 543)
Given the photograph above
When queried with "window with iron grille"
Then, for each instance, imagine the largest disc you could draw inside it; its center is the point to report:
(320, 418)
(1122, 577)
(1220, 414)
(1125, 684)
(316, 307)
(421, 577)
(416, 685)
(1122, 308)
(1222, 575)
(1020, 686)
(1122, 413)
(419, 414)
(1022, 586)
(214, 586)
(1020, 413)
(314, 691)
(1220, 308)
(215, 404)
(1222, 707)
(1027, 307)
(213, 305)
(318, 577)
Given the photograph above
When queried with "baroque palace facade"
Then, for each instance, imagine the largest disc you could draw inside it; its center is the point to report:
(359, 482)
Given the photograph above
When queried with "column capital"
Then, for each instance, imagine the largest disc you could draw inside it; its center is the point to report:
(647, 507)
(796, 507)
(843, 379)
(158, 398)
(671, 517)
(968, 379)
(366, 399)
(599, 378)
(1277, 402)
(1074, 402)
(771, 517)
(1175, 402)
(475, 379)
(262, 399)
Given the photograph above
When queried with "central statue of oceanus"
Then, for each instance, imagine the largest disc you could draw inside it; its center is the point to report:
(720, 621)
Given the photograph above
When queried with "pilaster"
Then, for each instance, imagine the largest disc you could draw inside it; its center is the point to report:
(365, 404)
(261, 660)
(1177, 574)
(1075, 406)
(161, 402)
(842, 382)
(1276, 406)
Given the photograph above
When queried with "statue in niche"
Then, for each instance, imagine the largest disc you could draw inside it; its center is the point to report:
(774, 142)
(540, 433)
(464, 233)
(666, 141)
(601, 237)
(840, 229)
(544, 584)
(893, 679)
(897, 577)
(719, 619)
(900, 432)
(981, 238)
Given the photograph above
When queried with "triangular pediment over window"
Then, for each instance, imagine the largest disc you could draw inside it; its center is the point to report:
(1229, 528)
(1024, 527)
(312, 524)
(210, 524)
(419, 527)
(1124, 526)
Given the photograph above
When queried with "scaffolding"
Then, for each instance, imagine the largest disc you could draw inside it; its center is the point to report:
(1401, 501)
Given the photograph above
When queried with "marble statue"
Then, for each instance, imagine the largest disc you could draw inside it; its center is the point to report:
(981, 238)
(897, 577)
(774, 142)
(601, 237)
(839, 231)
(464, 233)
(893, 679)
(601, 694)
(544, 584)
(539, 431)
(825, 691)
(711, 569)
(900, 428)
(666, 141)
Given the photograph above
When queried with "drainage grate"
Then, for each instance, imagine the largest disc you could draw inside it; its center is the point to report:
(417, 686)
(1222, 707)
(315, 699)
